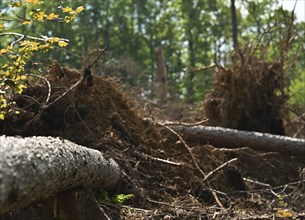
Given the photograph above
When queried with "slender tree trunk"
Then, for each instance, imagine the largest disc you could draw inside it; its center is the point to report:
(190, 86)
(160, 82)
(234, 24)
(107, 24)
(152, 44)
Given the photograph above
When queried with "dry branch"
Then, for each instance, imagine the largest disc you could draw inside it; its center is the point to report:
(186, 147)
(35, 168)
(206, 178)
(224, 137)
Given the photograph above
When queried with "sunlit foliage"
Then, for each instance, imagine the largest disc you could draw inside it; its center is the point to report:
(17, 48)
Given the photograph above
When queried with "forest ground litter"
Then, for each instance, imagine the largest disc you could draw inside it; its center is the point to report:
(158, 169)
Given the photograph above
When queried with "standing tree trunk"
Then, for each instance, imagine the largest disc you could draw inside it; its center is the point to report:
(234, 24)
(35, 168)
(160, 83)
(190, 85)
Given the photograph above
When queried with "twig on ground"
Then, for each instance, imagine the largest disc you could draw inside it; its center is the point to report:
(296, 134)
(288, 185)
(47, 82)
(184, 144)
(171, 123)
(86, 126)
(218, 169)
(136, 208)
(161, 203)
(64, 94)
(217, 199)
(194, 161)
(157, 159)
(32, 99)
(257, 182)
(104, 213)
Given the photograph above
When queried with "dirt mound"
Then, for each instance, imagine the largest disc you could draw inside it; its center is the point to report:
(83, 114)
(158, 168)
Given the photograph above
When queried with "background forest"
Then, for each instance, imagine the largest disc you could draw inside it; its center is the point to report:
(193, 34)
(241, 61)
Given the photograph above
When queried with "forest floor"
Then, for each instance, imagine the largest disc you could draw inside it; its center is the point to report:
(158, 168)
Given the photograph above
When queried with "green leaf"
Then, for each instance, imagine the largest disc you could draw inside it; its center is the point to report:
(121, 198)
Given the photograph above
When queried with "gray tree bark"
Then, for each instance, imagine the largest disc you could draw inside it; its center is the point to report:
(224, 137)
(234, 24)
(34, 168)
(160, 83)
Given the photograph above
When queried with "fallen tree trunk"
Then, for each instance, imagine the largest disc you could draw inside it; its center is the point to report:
(35, 168)
(224, 137)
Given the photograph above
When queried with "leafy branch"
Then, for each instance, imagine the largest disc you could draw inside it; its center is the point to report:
(19, 51)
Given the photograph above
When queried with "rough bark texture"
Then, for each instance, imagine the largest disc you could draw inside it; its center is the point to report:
(160, 83)
(234, 24)
(224, 137)
(36, 167)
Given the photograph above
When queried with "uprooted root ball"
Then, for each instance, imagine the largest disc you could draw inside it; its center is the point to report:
(248, 96)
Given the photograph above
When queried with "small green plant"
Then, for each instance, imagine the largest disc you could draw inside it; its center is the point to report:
(121, 198)
(117, 199)
(282, 200)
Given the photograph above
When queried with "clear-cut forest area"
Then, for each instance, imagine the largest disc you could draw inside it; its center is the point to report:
(164, 109)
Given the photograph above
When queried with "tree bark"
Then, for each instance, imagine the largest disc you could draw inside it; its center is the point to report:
(191, 74)
(224, 137)
(234, 24)
(160, 83)
(35, 168)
